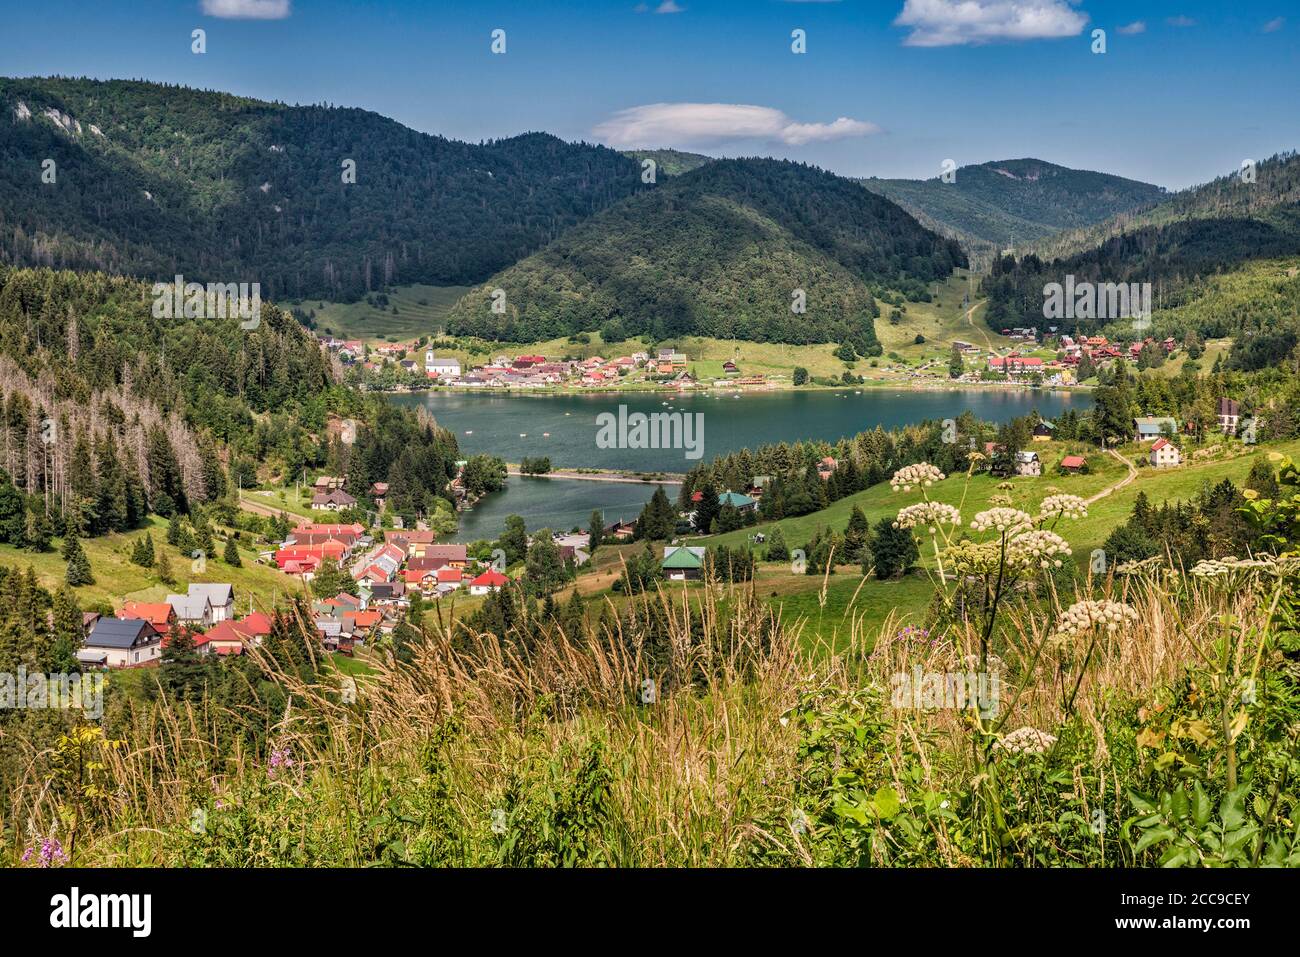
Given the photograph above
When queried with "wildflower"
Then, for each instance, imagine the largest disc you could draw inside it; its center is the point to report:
(931, 514)
(51, 853)
(972, 558)
(912, 633)
(1083, 616)
(1026, 741)
(1041, 548)
(1063, 506)
(1218, 567)
(1001, 520)
(280, 758)
(910, 476)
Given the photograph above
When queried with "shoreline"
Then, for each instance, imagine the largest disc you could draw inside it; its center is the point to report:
(874, 385)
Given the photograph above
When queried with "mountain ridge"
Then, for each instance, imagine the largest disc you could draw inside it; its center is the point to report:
(989, 206)
(722, 251)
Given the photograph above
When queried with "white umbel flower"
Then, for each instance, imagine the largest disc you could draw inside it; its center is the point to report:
(1218, 567)
(1027, 741)
(1083, 616)
(1042, 548)
(1001, 520)
(1063, 506)
(928, 514)
(909, 476)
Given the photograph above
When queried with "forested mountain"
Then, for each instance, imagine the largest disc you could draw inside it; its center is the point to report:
(1272, 186)
(720, 251)
(1178, 247)
(153, 180)
(671, 162)
(990, 206)
(109, 413)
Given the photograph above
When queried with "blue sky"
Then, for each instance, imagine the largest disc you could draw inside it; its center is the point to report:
(887, 87)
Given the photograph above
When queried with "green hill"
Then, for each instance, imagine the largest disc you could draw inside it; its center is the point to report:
(152, 180)
(1178, 247)
(1275, 188)
(990, 206)
(671, 162)
(720, 252)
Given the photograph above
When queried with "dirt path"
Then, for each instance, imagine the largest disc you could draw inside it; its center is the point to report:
(970, 321)
(259, 509)
(1126, 480)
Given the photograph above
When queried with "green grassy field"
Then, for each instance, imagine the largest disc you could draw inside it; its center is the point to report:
(290, 501)
(828, 618)
(420, 311)
(118, 580)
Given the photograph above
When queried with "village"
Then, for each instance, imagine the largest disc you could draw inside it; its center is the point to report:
(666, 368)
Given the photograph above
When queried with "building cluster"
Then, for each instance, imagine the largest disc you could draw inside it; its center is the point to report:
(533, 371)
(137, 636)
(538, 372)
(1101, 350)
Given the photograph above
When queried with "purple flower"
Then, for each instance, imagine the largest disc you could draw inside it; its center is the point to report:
(280, 758)
(51, 853)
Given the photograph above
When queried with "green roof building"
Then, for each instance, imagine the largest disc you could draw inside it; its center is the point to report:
(736, 500)
(683, 563)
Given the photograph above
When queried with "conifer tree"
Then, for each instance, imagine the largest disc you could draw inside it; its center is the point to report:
(78, 570)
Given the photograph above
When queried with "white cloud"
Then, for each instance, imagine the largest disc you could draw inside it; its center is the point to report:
(942, 23)
(713, 124)
(247, 9)
(668, 6)
(1274, 25)
(1137, 26)
(1180, 21)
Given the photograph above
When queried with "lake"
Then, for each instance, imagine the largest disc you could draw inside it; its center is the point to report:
(564, 427)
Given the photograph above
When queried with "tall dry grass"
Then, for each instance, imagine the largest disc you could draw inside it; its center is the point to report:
(700, 777)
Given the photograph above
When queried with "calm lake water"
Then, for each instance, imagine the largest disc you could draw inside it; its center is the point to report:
(564, 427)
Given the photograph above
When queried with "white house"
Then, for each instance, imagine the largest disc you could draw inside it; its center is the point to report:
(1164, 454)
(121, 643)
(192, 609)
(436, 367)
(1028, 463)
(1229, 416)
(220, 596)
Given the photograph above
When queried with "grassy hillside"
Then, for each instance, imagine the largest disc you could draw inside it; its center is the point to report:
(409, 312)
(849, 599)
(720, 252)
(117, 579)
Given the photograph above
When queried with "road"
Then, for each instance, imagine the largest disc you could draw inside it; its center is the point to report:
(1126, 480)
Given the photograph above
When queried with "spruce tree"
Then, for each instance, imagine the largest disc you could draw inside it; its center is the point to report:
(142, 553)
(777, 550)
(163, 569)
(78, 571)
(231, 555)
